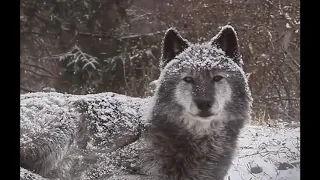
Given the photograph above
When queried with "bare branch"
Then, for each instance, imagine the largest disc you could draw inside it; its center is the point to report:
(42, 75)
(26, 89)
(38, 67)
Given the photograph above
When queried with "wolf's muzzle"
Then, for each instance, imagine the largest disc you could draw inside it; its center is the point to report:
(204, 105)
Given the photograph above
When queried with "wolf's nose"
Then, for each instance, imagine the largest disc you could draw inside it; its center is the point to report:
(203, 104)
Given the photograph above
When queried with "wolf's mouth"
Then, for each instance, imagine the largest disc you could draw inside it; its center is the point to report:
(205, 114)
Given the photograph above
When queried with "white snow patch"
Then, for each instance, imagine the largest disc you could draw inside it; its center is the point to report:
(266, 148)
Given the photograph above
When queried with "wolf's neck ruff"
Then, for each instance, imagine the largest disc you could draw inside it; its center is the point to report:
(178, 154)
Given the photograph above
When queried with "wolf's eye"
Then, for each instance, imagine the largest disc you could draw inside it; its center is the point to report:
(188, 79)
(217, 78)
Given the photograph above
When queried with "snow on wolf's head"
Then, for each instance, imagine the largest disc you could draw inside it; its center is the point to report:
(204, 84)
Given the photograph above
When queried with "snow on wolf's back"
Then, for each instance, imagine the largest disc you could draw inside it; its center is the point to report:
(59, 127)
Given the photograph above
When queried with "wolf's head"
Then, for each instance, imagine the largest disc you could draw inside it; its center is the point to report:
(202, 83)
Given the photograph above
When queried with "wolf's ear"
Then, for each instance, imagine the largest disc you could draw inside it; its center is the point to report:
(172, 45)
(227, 40)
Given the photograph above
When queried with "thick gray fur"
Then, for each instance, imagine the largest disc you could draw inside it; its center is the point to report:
(187, 131)
(61, 135)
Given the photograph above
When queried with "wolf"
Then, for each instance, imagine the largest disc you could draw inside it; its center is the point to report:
(63, 134)
(202, 101)
(200, 105)
(187, 130)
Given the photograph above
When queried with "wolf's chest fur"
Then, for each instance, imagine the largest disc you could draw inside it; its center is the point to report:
(181, 155)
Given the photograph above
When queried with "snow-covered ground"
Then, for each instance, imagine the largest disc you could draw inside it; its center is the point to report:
(267, 153)
(263, 153)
